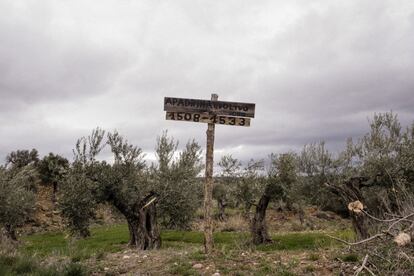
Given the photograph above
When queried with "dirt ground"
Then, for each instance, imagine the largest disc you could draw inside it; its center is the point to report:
(188, 259)
(191, 262)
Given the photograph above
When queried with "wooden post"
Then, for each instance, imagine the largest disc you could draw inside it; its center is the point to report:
(208, 187)
(211, 112)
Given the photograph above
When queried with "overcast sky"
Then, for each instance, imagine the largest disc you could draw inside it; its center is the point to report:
(317, 70)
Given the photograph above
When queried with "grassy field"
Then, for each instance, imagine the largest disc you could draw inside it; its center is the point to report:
(113, 238)
(105, 252)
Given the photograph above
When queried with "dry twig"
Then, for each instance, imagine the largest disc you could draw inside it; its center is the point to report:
(402, 253)
(400, 220)
(364, 266)
(358, 242)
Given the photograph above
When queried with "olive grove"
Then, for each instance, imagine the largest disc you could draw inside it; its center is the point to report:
(370, 182)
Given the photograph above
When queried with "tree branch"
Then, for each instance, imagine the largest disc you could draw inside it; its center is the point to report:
(399, 220)
(358, 242)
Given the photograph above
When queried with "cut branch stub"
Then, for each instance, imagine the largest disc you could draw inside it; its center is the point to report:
(402, 239)
(356, 207)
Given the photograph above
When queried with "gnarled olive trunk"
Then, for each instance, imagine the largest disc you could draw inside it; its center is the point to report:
(144, 233)
(221, 204)
(350, 191)
(360, 225)
(258, 224)
(143, 229)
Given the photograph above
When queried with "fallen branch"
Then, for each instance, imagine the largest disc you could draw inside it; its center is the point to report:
(363, 266)
(402, 253)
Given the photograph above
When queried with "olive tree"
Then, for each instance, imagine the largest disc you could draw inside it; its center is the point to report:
(124, 184)
(374, 177)
(176, 181)
(127, 186)
(376, 171)
(251, 185)
(317, 166)
(138, 192)
(225, 185)
(17, 199)
(52, 169)
(21, 158)
(385, 156)
(79, 189)
(77, 201)
(282, 174)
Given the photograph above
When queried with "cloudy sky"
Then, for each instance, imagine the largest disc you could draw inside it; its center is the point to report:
(317, 70)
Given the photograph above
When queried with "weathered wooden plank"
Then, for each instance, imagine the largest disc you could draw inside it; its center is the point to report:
(207, 118)
(216, 107)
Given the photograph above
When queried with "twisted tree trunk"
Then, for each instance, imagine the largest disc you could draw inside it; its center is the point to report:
(221, 204)
(258, 226)
(144, 233)
(359, 224)
(350, 191)
(143, 230)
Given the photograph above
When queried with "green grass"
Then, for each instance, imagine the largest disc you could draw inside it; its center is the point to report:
(304, 241)
(111, 238)
(28, 265)
(181, 267)
(313, 257)
(102, 239)
(197, 237)
(350, 258)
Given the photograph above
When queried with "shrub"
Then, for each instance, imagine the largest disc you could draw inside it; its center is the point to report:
(52, 169)
(77, 202)
(17, 200)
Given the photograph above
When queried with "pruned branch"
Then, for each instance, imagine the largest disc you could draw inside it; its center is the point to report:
(149, 203)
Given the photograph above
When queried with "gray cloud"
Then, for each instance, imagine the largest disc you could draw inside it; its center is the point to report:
(315, 69)
(40, 64)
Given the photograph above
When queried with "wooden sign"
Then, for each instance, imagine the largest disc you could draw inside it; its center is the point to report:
(207, 118)
(213, 107)
(211, 112)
